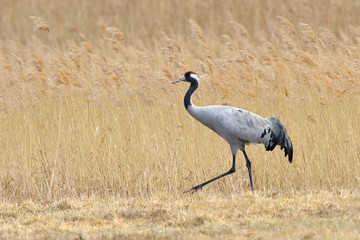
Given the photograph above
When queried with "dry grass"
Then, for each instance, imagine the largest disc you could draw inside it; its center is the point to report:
(87, 109)
(236, 216)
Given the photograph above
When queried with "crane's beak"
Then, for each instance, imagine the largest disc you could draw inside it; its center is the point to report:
(179, 80)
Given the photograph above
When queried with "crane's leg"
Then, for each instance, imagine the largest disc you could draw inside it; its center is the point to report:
(198, 187)
(248, 165)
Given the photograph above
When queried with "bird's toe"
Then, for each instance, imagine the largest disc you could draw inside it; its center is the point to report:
(194, 189)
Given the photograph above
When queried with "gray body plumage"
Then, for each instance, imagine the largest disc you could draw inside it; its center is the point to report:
(240, 127)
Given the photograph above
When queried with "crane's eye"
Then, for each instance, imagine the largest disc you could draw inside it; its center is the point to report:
(189, 73)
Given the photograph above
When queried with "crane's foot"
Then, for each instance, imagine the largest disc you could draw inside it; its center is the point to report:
(194, 189)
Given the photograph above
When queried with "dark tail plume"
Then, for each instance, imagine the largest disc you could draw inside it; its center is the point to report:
(279, 136)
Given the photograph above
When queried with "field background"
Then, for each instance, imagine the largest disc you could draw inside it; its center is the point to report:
(89, 118)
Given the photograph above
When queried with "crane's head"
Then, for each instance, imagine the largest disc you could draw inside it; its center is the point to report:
(189, 77)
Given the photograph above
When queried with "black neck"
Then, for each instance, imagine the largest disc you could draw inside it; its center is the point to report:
(187, 99)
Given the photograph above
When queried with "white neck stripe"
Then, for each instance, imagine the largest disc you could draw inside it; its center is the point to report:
(194, 76)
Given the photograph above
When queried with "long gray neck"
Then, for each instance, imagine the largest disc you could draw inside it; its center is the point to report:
(187, 99)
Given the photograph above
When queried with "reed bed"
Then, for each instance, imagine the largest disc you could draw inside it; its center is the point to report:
(87, 107)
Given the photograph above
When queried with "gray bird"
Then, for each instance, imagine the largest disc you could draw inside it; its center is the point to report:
(237, 126)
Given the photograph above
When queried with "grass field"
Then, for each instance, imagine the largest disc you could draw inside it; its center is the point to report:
(96, 143)
(324, 215)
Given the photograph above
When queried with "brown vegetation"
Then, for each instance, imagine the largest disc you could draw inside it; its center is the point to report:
(87, 108)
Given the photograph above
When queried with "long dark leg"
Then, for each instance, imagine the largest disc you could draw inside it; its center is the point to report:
(198, 187)
(248, 165)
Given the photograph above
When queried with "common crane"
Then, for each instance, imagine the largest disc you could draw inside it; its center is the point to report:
(237, 126)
